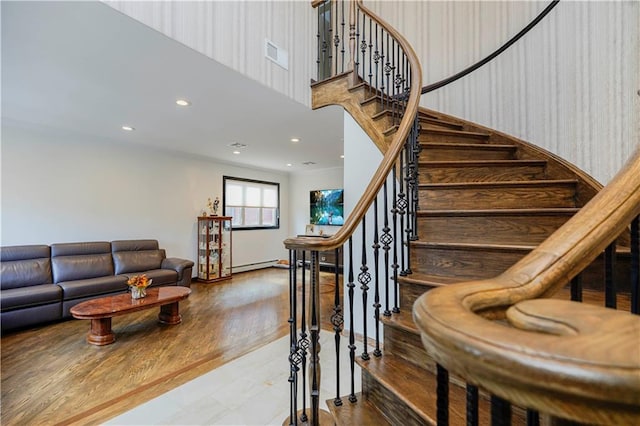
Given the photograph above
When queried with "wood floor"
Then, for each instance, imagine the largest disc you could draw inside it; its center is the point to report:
(50, 375)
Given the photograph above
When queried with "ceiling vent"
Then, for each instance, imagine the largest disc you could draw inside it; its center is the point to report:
(275, 54)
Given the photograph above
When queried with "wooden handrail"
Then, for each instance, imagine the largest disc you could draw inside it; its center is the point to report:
(390, 157)
(568, 359)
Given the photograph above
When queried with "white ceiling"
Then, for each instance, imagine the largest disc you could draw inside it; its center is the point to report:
(86, 68)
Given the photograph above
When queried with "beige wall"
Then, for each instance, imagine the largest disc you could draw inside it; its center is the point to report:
(233, 33)
(570, 86)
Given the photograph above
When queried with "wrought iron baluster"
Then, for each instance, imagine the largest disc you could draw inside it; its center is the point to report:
(364, 278)
(402, 203)
(472, 405)
(394, 211)
(500, 412)
(303, 342)
(376, 59)
(635, 266)
(387, 73)
(442, 392)
(609, 279)
(293, 343)
(319, 74)
(352, 337)
(363, 47)
(376, 263)
(324, 42)
(370, 56)
(383, 68)
(576, 288)
(314, 329)
(386, 246)
(337, 320)
(342, 36)
(533, 418)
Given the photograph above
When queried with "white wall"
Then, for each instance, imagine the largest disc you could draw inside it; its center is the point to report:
(233, 33)
(362, 158)
(58, 187)
(300, 186)
(570, 85)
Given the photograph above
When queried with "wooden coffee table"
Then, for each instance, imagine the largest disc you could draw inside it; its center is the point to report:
(101, 310)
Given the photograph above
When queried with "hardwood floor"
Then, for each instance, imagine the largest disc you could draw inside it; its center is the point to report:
(50, 375)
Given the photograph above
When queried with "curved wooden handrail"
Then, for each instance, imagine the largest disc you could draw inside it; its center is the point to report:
(390, 157)
(568, 359)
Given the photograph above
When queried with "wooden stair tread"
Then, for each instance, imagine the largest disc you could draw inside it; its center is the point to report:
(486, 163)
(359, 413)
(438, 121)
(474, 246)
(402, 320)
(453, 132)
(428, 279)
(567, 211)
(530, 183)
(409, 384)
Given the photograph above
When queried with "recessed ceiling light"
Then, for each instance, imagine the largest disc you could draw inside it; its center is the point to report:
(295, 139)
(288, 164)
(236, 152)
(128, 128)
(237, 145)
(308, 163)
(183, 102)
(342, 156)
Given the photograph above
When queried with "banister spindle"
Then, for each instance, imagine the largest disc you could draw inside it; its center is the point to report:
(352, 338)
(500, 411)
(342, 25)
(442, 392)
(394, 211)
(376, 263)
(635, 266)
(402, 203)
(386, 246)
(303, 342)
(337, 320)
(314, 329)
(364, 278)
(609, 279)
(472, 405)
(293, 341)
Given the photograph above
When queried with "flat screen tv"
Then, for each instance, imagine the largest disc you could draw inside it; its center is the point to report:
(327, 207)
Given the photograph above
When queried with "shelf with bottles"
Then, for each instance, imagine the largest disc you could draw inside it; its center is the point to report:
(214, 248)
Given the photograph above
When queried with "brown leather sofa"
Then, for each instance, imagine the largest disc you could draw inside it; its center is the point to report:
(40, 283)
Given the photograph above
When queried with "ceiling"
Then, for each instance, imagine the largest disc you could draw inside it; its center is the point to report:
(84, 67)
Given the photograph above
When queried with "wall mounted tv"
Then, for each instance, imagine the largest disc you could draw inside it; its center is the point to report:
(327, 207)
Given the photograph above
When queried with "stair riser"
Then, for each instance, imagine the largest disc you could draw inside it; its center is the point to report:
(489, 229)
(388, 403)
(463, 263)
(426, 136)
(444, 174)
(497, 197)
(372, 107)
(384, 121)
(409, 293)
(408, 346)
(444, 153)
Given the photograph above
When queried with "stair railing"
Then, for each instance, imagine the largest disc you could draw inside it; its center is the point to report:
(571, 361)
(383, 63)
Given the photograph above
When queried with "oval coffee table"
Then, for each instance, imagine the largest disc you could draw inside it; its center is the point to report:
(101, 310)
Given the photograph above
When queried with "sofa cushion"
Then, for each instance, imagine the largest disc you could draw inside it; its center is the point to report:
(93, 286)
(134, 245)
(24, 266)
(78, 261)
(136, 261)
(69, 268)
(35, 295)
(159, 276)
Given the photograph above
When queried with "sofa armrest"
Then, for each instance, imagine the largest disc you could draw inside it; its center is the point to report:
(182, 266)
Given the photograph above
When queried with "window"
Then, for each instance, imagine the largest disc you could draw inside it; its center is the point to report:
(253, 204)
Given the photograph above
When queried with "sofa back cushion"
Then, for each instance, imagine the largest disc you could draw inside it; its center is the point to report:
(22, 266)
(136, 255)
(78, 261)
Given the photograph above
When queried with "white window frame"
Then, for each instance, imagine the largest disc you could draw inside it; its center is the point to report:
(238, 222)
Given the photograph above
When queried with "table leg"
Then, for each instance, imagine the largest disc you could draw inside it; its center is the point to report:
(100, 333)
(169, 314)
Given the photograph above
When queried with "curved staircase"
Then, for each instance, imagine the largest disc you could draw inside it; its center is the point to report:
(486, 200)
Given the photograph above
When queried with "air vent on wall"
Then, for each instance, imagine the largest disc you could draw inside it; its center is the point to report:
(275, 54)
